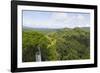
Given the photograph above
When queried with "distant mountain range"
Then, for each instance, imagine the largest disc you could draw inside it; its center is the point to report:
(85, 28)
(52, 29)
(39, 29)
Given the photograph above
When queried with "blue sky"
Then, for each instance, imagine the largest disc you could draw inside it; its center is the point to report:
(46, 19)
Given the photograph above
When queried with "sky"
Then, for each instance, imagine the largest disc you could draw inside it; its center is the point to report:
(48, 19)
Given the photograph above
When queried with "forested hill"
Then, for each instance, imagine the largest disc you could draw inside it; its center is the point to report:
(39, 29)
(56, 44)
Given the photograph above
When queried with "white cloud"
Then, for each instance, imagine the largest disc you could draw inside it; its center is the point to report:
(59, 16)
(80, 17)
(59, 20)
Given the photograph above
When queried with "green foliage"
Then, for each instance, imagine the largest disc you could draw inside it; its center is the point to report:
(62, 44)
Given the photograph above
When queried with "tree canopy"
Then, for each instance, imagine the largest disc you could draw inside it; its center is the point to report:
(62, 44)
